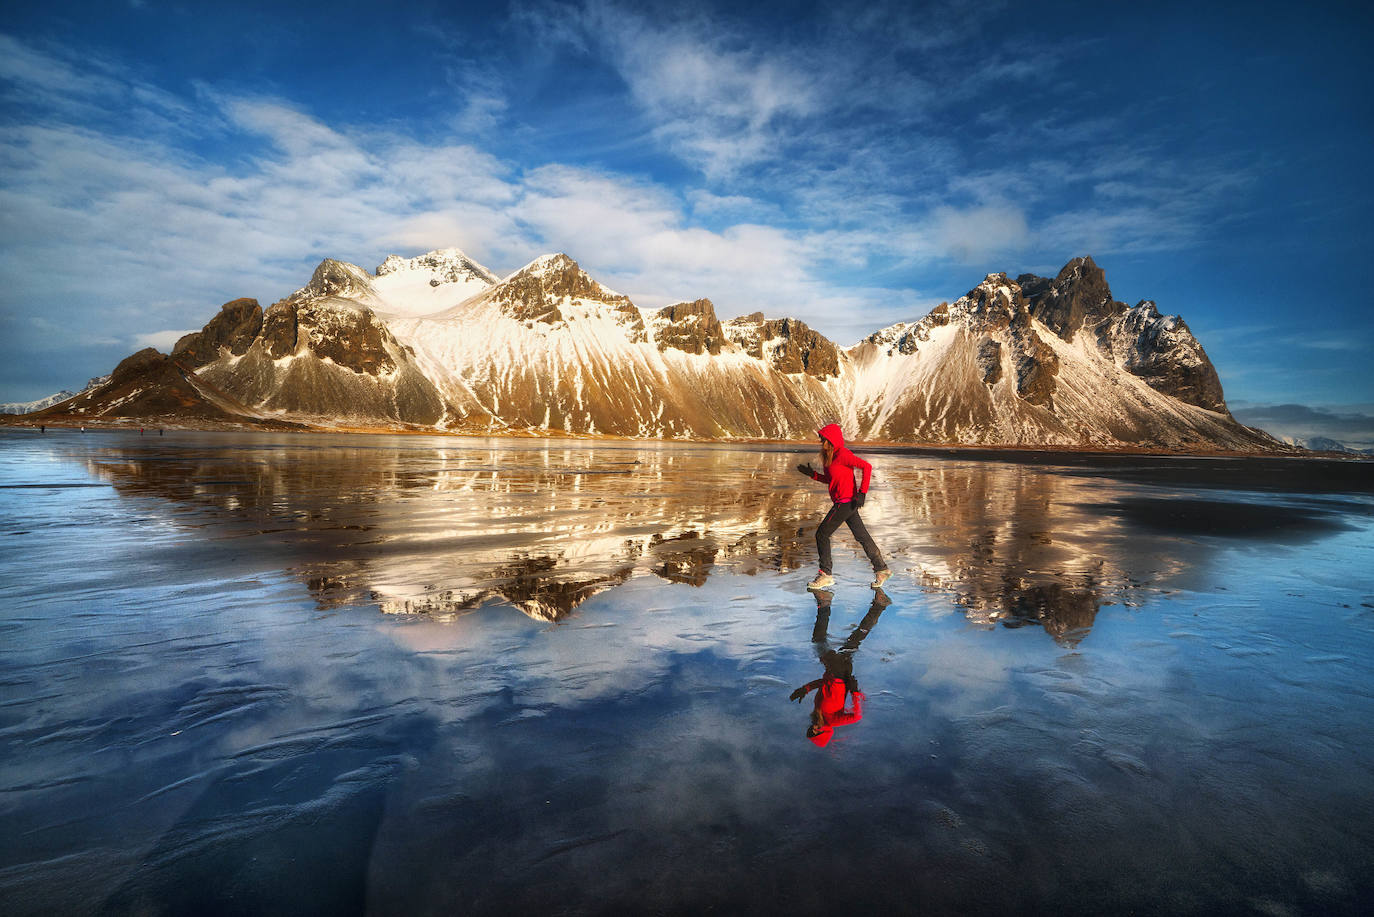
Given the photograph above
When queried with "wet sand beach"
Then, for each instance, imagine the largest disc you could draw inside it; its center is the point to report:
(301, 673)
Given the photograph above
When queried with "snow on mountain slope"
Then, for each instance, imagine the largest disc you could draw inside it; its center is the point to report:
(1032, 361)
(428, 283)
(402, 287)
(320, 355)
(551, 349)
(29, 407)
(986, 370)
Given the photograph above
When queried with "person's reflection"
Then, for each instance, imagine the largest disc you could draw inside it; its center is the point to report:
(838, 684)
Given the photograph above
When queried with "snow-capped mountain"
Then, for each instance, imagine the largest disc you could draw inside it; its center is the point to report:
(428, 283)
(321, 355)
(1327, 444)
(435, 341)
(30, 407)
(549, 348)
(1035, 360)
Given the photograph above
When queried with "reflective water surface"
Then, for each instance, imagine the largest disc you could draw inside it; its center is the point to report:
(331, 674)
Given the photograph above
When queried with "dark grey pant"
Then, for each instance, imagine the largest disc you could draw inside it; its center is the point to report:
(848, 514)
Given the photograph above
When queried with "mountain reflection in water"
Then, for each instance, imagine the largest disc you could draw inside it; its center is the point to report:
(443, 527)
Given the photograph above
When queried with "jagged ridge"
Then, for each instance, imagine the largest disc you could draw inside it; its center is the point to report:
(1031, 361)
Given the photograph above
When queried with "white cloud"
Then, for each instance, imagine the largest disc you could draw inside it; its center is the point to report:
(718, 102)
(115, 232)
(112, 217)
(159, 340)
(977, 234)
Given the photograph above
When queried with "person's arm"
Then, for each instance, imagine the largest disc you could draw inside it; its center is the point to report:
(804, 690)
(845, 717)
(866, 468)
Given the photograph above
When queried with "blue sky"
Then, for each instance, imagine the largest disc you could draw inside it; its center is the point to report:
(848, 164)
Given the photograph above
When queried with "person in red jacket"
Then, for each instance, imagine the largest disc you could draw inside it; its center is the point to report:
(837, 469)
(838, 683)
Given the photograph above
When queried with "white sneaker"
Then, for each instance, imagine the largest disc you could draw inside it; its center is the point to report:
(879, 578)
(822, 581)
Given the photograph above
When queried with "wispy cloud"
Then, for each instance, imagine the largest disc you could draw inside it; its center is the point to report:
(1354, 343)
(159, 235)
(719, 101)
(160, 340)
(830, 167)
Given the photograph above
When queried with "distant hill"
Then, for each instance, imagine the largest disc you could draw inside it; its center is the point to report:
(1325, 444)
(29, 407)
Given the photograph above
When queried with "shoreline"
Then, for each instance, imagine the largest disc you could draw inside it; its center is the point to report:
(972, 451)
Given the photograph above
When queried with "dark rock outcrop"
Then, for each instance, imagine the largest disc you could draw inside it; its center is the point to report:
(996, 312)
(990, 361)
(279, 327)
(1036, 368)
(690, 326)
(1078, 295)
(788, 344)
(351, 337)
(1161, 350)
(232, 331)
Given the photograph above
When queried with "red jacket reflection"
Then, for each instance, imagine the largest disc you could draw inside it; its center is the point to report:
(830, 711)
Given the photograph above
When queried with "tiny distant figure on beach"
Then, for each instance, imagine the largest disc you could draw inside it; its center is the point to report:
(837, 470)
(837, 685)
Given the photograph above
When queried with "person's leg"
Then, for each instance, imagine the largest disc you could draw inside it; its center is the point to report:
(828, 525)
(851, 644)
(820, 633)
(875, 557)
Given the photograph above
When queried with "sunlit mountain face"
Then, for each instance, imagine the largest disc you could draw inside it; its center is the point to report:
(436, 344)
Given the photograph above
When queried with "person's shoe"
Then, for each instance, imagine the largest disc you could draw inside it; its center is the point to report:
(822, 581)
(879, 578)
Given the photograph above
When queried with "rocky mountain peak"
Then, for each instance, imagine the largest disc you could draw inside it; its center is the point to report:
(787, 343)
(445, 265)
(338, 279)
(993, 304)
(1078, 294)
(541, 289)
(689, 326)
(233, 331)
(1161, 350)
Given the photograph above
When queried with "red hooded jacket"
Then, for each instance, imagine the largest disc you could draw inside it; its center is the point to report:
(840, 474)
(830, 698)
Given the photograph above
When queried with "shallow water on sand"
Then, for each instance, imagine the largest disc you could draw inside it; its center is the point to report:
(332, 674)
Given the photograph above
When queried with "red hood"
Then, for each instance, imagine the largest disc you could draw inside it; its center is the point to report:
(822, 738)
(831, 434)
